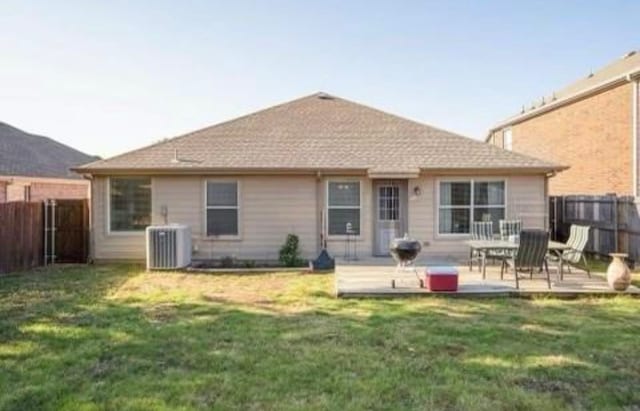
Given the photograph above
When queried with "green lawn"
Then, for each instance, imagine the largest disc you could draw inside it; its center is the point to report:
(116, 338)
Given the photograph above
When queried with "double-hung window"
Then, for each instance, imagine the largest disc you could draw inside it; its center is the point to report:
(129, 203)
(461, 202)
(222, 208)
(344, 207)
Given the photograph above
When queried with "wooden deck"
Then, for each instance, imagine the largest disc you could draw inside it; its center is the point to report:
(372, 278)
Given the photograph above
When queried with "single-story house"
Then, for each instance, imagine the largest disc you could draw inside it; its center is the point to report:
(321, 167)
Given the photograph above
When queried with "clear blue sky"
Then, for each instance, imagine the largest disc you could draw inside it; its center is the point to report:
(106, 77)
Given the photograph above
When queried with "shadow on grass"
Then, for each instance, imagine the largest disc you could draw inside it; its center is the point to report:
(71, 346)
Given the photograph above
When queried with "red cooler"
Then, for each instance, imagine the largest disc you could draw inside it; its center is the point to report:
(442, 278)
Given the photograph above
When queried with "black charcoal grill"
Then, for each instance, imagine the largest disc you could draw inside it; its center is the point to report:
(404, 251)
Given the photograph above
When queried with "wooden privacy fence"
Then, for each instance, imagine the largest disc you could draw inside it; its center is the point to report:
(614, 222)
(33, 234)
(21, 235)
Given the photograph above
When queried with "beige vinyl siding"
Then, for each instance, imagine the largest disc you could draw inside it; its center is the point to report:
(270, 208)
(525, 201)
(273, 206)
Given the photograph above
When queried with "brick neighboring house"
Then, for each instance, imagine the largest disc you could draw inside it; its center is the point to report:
(591, 125)
(26, 188)
(36, 168)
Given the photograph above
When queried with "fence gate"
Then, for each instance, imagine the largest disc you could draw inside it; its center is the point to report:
(66, 234)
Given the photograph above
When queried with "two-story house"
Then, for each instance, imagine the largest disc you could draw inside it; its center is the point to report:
(591, 125)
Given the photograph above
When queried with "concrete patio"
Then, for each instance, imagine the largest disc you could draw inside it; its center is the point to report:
(372, 277)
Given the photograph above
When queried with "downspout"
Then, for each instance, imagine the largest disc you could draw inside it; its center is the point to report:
(634, 78)
(546, 200)
(90, 228)
(634, 126)
(319, 214)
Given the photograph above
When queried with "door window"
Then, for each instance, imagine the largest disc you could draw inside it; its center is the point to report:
(389, 203)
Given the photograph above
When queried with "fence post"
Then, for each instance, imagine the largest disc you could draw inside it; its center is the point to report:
(616, 228)
(556, 217)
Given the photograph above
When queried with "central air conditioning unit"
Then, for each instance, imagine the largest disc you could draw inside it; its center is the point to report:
(168, 247)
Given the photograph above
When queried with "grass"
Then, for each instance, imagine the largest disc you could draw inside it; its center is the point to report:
(116, 338)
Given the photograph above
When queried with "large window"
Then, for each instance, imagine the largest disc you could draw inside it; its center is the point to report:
(464, 201)
(129, 203)
(344, 207)
(222, 208)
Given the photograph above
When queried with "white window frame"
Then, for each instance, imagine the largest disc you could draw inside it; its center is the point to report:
(471, 207)
(328, 207)
(108, 208)
(507, 139)
(237, 207)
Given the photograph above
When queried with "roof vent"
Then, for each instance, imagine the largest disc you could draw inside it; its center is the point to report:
(629, 54)
(175, 158)
(590, 74)
(325, 96)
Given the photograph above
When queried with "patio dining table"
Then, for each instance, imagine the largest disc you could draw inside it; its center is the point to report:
(555, 247)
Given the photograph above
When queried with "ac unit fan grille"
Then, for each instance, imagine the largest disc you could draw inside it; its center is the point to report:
(164, 249)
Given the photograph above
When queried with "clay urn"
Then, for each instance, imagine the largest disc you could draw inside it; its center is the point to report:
(618, 274)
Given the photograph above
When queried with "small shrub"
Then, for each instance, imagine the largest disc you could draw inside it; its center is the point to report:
(289, 253)
(250, 264)
(226, 262)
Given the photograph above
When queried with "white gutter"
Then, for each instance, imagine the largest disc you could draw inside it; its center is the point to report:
(621, 79)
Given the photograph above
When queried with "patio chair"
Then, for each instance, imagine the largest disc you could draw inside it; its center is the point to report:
(509, 228)
(530, 255)
(572, 235)
(480, 230)
(578, 238)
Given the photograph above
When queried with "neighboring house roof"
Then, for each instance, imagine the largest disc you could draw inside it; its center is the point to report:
(24, 154)
(617, 72)
(318, 132)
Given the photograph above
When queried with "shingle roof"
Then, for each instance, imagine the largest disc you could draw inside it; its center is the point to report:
(24, 154)
(628, 62)
(614, 71)
(319, 132)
